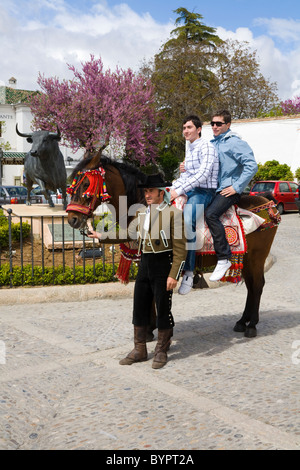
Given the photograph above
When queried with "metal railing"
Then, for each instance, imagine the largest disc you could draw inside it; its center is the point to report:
(56, 255)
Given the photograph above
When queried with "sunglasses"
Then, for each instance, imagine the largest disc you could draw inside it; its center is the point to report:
(217, 123)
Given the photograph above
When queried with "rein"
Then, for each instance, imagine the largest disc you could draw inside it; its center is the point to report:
(95, 191)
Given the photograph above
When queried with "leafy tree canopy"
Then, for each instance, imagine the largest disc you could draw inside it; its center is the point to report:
(291, 106)
(273, 170)
(98, 106)
(297, 174)
(193, 29)
(195, 72)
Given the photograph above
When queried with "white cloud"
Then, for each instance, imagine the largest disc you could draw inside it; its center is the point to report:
(54, 34)
(282, 28)
(277, 66)
(46, 35)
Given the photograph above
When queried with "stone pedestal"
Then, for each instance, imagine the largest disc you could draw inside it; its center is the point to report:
(54, 221)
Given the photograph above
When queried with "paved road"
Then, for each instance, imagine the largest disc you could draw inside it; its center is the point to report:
(61, 386)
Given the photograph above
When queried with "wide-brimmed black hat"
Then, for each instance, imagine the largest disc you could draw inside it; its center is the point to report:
(154, 181)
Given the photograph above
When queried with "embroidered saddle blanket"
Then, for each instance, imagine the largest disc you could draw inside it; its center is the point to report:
(234, 229)
(237, 222)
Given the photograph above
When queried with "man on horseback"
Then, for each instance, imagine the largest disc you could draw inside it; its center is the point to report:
(198, 181)
(237, 168)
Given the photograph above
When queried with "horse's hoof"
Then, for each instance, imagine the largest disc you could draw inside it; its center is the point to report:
(250, 332)
(239, 328)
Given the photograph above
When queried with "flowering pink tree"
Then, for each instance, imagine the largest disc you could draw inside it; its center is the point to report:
(97, 105)
(291, 106)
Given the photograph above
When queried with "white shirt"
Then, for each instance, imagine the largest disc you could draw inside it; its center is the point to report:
(201, 168)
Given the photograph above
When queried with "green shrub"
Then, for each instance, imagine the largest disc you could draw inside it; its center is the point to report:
(37, 276)
(15, 231)
(3, 235)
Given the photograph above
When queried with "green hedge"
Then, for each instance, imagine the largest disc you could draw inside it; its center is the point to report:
(36, 276)
(58, 275)
(15, 231)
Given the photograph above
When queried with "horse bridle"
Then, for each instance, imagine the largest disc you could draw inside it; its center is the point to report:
(95, 191)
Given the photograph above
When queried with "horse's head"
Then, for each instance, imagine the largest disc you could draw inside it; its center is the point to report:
(96, 179)
(88, 191)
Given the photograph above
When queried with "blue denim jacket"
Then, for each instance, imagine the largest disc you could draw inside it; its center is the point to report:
(237, 162)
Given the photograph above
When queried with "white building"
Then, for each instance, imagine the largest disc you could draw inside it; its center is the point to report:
(13, 110)
(270, 138)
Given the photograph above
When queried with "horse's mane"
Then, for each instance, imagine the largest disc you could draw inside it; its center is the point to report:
(131, 175)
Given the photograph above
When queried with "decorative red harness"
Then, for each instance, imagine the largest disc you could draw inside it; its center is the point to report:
(95, 191)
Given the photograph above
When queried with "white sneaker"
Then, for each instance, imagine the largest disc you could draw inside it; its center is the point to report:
(186, 285)
(220, 270)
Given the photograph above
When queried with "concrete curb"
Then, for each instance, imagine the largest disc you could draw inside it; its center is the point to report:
(78, 293)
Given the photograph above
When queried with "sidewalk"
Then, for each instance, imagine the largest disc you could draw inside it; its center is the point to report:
(33, 295)
(63, 388)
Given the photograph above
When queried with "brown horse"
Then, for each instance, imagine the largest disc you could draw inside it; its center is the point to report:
(122, 179)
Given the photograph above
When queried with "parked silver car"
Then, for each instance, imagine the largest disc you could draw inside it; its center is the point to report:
(16, 195)
(55, 196)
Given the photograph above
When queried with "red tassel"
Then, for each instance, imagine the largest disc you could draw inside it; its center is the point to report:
(123, 270)
(127, 256)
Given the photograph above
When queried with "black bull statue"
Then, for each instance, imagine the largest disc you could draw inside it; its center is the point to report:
(44, 164)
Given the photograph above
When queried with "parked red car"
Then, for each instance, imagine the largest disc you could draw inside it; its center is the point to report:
(285, 193)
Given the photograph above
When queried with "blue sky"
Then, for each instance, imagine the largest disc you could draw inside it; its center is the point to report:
(44, 35)
(230, 14)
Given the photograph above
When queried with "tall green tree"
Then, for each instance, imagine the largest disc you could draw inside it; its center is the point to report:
(183, 80)
(241, 86)
(196, 72)
(190, 28)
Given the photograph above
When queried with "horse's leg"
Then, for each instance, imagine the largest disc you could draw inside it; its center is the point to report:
(254, 278)
(259, 244)
(153, 323)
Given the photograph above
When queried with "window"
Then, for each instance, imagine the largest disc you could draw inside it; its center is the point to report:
(284, 188)
(261, 187)
(294, 187)
(12, 191)
(21, 191)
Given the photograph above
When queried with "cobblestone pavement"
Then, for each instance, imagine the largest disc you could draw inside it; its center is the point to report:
(61, 386)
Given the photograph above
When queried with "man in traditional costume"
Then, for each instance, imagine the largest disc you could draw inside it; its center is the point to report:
(159, 229)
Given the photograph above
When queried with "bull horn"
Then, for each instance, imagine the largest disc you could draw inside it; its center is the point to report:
(56, 134)
(20, 134)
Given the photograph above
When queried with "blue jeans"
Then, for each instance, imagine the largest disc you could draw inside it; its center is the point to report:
(213, 213)
(198, 200)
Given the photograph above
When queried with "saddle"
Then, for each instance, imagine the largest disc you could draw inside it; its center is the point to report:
(238, 223)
